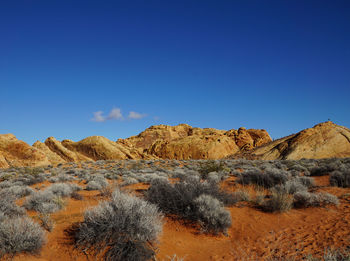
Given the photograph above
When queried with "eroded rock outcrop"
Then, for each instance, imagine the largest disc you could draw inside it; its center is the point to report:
(186, 142)
(324, 140)
(181, 142)
(15, 153)
(101, 148)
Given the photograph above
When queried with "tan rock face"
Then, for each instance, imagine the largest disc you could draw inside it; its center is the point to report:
(324, 140)
(101, 148)
(185, 142)
(66, 154)
(14, 153)
(181, 142)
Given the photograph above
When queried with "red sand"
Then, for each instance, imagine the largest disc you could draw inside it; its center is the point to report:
(254, 235)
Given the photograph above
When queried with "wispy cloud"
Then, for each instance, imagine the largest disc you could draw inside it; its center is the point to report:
(116, 114)
(98, 117)
(136, 116)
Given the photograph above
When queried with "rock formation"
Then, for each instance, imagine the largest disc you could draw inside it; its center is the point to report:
(324, 140)
(185, 142)
(181, 142)
(15, 153)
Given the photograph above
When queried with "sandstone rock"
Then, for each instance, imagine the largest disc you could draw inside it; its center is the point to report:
(66, 154)
(101, 148)
(185, 142)
(51, 156)
(14, 153)
(324, 140)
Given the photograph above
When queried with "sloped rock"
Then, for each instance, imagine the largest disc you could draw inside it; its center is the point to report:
(324, 140)
(15, 153)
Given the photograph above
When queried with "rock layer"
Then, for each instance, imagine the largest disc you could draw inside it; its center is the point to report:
(186, 142)
(324, 140)
(14, 152)
(181, 142)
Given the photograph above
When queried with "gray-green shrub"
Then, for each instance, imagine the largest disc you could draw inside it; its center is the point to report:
(211, 214)
(121, 229)
(20, 234)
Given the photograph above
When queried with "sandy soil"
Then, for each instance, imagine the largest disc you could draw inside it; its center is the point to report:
(254, 235)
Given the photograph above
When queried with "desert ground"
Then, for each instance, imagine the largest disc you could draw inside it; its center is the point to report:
(195, 209)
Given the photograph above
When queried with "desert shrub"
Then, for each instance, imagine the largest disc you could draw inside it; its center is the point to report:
(19, 191)
(241, 195)
(43, 202)
(213, 177)
(306, 181)
(179, 198)
(210, 166)
(93, 185)
(60, 189)
(332, 254)
(96, 183)
(129, 181)
(8, 205)
(20, 234)
(121, 229)
(321, 170)
(75, 195)
(278, 202)
(266, 179)
(211, 214)
(149, 178)
(290, 187)
(340, 179)
(306, 199)
(46, 222)
(5, 184)
(65, 177)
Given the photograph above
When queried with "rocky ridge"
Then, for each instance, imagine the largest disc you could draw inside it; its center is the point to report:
(181, 142)
(324, 140)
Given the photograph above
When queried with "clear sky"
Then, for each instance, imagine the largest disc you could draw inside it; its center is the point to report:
(72, 69)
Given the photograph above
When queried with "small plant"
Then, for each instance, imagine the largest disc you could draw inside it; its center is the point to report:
(122, 229)
(279, 202)
(20, 234)
(8, 206)
(210, 166)
(241, 195)
(75, 195)
(265, 179)
(290, 187)
(44, 202)
(46, 222)
(179, 198)
(212, 215)
(340, 179)
(306, 199)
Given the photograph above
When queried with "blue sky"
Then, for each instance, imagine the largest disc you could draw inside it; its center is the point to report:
(278, 65)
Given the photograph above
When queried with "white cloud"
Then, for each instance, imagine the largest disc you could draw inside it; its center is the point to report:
(98, 117)
(115, 114)
(136, 116)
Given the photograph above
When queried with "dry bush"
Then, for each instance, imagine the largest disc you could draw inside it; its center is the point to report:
(340, 179)
(179, 198)
(20, 234)
(278, 202)
(212, 215)
(122, 229)
(266, 179)
(307, 199)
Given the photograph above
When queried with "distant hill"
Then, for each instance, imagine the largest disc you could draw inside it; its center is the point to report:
(181, 142)
(161, 141)
(324, 140)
